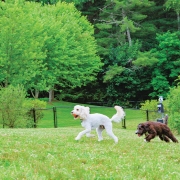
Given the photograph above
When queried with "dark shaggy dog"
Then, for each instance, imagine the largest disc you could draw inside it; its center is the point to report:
(152, 129)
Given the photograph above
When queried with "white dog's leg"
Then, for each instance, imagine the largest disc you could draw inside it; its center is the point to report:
(82, 133)
(111, 134)
(99, 133)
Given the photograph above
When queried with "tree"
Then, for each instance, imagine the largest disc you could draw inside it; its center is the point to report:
(174, 108)
(125, 81)
(167, 68)
(22, 40)
(77, 2)
(71, 48)
(175, 5)
(118, 19)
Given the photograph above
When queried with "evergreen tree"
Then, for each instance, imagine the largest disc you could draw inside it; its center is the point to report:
(175, 5)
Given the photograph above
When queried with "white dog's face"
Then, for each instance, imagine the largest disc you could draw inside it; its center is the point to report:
(80, 112)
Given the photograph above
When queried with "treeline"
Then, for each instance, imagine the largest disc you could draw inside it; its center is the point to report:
(135, 54)
(139, 44)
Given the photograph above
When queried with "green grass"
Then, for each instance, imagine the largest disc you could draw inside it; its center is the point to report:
(53, 154)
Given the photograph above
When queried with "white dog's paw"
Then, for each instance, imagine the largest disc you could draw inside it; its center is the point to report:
(115, 139)
(77, 138)
(100, 139)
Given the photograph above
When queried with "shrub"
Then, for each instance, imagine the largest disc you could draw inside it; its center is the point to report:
(174, 108)
(34, 106)
(151, 106)
(11, 102)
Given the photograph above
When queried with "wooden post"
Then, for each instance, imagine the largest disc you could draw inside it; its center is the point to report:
(147, 115)
(55, 117)
(124, 123)
(34, 117)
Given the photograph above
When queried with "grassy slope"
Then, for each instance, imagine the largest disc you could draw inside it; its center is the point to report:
(52, 153)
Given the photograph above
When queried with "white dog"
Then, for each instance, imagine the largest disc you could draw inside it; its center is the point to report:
(96, 121)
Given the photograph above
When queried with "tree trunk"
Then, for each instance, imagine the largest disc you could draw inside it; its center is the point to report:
(35, 94)
(127, 29)
(178, 21)
(129, 36)
(51, 95)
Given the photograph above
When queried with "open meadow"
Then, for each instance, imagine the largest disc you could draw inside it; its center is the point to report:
(48, 153)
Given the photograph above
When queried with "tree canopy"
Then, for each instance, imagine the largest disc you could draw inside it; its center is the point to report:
(44, 46)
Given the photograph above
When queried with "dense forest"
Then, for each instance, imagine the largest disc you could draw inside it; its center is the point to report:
(113, 51)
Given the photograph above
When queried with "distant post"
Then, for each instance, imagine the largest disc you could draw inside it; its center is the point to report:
(34, 117)
(124, 123)
(147, 115)
(55, 117)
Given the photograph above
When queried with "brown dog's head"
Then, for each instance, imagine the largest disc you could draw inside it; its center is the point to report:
(142, 129)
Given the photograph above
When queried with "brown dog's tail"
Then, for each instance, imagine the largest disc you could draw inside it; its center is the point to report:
(119, 115)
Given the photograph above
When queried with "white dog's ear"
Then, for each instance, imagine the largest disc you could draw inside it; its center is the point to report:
(87, 110)
(84, 112)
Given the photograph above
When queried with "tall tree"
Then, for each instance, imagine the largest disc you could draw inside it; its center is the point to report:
(71, 48)
(119, 19)
(22, 40)
(167, 69)
(175, 5)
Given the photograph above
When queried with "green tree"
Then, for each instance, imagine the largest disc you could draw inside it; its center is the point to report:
(124, 80)
(77, 2)
(22, 40)
(71, 48)
(174, 108)
(175, 5)
(118, 19)
(167, 68)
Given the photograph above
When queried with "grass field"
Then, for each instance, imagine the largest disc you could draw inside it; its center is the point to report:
(53, 154)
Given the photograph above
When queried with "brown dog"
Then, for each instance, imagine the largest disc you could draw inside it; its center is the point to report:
(152, 129)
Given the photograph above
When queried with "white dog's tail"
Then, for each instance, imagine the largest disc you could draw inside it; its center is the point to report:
(119, 115)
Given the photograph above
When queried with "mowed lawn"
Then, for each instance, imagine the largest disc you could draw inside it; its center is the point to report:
(53, 154)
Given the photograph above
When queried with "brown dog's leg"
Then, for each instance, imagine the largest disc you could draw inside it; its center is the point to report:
(149, 137)
(170, 135)
(161, 137)
(167, 132)
(164, 138)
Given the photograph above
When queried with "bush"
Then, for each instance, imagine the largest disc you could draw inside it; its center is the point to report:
(35, 108)
(11, 103)
(151, 106)
(174, 108)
